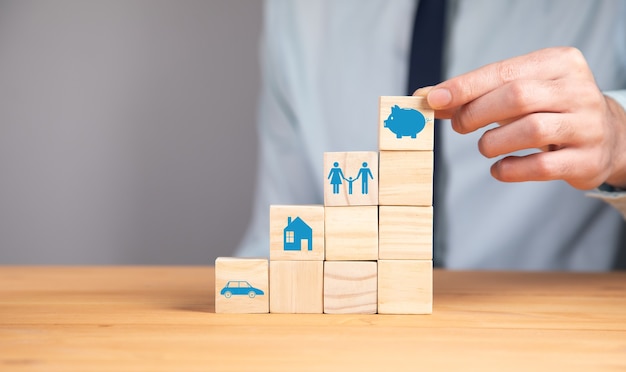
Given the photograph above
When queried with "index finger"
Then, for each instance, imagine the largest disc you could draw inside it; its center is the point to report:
(544, 64)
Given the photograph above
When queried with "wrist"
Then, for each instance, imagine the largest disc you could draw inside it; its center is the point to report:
(617, 116)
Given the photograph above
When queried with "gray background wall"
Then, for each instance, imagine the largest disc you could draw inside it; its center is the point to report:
(126, 129)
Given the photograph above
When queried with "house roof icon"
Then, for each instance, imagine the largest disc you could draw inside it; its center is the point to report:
(295, 233)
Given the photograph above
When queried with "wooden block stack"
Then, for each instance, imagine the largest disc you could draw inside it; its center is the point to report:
(296, 258)
(351, 222)
(406, 133)
(368, 249)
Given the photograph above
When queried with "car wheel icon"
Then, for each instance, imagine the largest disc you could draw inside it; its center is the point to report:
(227, 294)
(251, 294)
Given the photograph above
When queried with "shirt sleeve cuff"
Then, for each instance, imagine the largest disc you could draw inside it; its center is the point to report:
(612, 195)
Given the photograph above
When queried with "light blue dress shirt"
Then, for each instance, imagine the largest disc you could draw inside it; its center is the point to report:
(324, 65)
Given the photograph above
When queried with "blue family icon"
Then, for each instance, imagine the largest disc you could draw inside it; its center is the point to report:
(297, 235)
(240, 288)
(336, 178)
(405, 122)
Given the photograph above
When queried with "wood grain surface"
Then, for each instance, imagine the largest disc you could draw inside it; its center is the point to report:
(163, 319)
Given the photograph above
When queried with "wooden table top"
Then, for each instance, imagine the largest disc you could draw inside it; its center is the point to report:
(162, 318)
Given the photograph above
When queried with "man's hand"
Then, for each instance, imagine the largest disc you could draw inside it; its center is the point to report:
(547, 100)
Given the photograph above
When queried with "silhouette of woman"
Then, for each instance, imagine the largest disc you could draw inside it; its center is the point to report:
(335, 176)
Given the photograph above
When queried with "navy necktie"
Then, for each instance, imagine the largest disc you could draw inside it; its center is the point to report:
(425, 68)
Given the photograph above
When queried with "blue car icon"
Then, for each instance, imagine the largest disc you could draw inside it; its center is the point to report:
(240, 288)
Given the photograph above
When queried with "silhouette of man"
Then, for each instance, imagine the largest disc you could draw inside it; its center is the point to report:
(365, 173)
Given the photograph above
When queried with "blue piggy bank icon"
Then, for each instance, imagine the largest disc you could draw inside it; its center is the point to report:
(405, 122)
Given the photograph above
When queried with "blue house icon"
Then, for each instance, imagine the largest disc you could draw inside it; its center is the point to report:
(297, 235)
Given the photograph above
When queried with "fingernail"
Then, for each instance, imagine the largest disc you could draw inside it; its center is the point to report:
(422, 91)
(439, 98)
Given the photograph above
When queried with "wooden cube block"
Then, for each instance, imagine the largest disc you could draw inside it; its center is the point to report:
(405, 233)
(296, 287)
(406, 178)
(241, 285)
(351, 233)
(405, 286)
(405, 123)
(297, 232)
(351, 178)
(350, 287)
